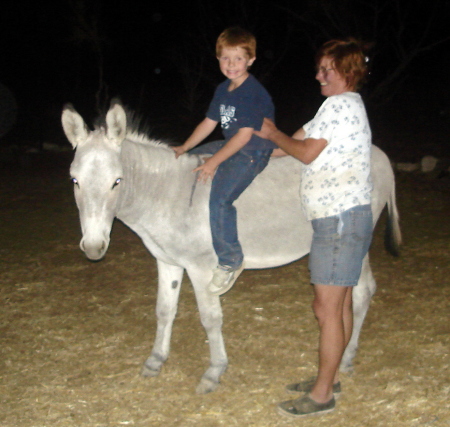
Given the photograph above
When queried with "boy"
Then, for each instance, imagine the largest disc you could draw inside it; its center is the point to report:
(240, 103)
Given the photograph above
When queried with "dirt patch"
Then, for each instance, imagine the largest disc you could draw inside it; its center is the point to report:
(74, 334)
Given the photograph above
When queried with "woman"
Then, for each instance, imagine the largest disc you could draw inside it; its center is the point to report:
(335, 190)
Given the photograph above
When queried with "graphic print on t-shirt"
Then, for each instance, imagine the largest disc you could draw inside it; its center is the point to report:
(227, 115)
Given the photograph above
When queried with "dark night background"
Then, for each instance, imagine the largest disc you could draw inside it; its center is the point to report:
(158, 57)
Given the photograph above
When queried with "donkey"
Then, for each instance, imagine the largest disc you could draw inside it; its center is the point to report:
(118, 172)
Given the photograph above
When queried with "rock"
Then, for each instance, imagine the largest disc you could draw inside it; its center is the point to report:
(428, 164)
(407, 167)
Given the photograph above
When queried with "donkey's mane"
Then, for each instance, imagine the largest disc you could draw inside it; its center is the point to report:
(155, 153)
(138, 131)
(142, 138)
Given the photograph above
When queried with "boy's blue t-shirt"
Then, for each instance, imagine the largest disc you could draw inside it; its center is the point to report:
(245, 106)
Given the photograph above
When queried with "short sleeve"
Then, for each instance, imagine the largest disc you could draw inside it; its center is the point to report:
(254, 109)
(326, 121)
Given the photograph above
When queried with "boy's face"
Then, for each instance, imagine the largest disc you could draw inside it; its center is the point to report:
(234, 62)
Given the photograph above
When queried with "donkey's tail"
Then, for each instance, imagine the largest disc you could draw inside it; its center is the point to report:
(393, 235)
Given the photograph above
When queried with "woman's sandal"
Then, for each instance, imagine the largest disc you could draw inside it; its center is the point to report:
(305, 406)
(306, 387)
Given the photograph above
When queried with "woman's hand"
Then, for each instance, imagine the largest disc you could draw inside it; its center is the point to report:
(268, 129)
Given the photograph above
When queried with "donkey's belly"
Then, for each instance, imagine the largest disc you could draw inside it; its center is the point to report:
(272, 228)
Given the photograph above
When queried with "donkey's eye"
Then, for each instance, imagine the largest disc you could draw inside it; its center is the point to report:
(117, 182)
(75, 181)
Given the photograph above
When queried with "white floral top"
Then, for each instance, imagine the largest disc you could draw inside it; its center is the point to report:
(339, 178)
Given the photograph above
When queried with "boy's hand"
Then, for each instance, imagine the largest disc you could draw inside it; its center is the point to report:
(179, 150)
(268, 129)
(207, 170)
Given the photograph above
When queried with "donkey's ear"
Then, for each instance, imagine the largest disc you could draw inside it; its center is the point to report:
(74, 127)
(116, 123)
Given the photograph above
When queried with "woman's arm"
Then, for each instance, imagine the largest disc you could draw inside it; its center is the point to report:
(305, 150)
(278, 152)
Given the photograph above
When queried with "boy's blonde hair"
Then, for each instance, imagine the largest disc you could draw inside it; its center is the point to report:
(348, 58)
(237, 37)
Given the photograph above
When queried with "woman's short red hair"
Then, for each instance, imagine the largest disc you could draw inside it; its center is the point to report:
(348, 59)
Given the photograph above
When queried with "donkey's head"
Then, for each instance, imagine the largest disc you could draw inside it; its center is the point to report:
(96, 173)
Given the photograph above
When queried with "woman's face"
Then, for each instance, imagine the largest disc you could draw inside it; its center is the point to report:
(331, 82)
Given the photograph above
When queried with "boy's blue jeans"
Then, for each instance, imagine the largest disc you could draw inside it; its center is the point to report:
(232, 177)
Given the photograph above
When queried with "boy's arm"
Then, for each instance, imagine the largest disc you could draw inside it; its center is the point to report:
(208, 169)
(203, 130)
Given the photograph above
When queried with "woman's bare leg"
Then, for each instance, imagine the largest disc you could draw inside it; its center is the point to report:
(332, 308)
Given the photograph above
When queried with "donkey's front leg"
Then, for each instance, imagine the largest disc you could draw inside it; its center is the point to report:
(169, 284)
(211, 317)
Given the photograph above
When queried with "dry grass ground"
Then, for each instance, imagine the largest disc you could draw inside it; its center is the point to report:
(74, 334)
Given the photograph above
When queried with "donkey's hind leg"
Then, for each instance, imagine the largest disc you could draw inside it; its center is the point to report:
(169, 284)
(362, 294)
(211, 317)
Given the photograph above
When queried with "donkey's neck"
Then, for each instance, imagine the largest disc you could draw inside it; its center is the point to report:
(152, 175)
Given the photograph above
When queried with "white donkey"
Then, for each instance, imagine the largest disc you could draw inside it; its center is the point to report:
(119, 173)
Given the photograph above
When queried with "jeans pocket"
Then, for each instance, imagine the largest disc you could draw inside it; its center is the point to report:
(325, 229)
(361, 223)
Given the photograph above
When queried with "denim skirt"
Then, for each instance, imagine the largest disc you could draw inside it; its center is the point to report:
(339, 245)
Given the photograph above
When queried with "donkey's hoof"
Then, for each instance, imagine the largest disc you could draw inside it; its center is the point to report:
(149, 372)
(206, 386)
